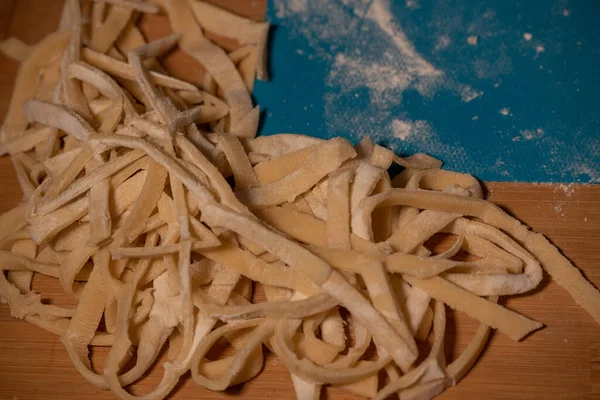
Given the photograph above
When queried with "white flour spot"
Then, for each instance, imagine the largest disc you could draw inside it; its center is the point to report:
(381, 14)
(505, 111)
(423, 137)
(467, 93)
(413, 4)
(379, 78)
(527, 36)
(567, 189)
(558, 208)
(577, 169)
(566, 13)
(529, 134)
(516, 138)
(292, 7)
(442, 43)
(539, 49)
(581, 168)
(499, 167)
(401, 129)
(566, 340)
(475, 118)
(585, 219)
(472, 40)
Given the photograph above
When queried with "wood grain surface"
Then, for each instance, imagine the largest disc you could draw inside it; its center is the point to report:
(561, 361)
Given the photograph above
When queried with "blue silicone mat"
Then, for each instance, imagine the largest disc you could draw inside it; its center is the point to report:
(505, 90)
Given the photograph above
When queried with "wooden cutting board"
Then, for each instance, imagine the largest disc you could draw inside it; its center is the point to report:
(561, 361)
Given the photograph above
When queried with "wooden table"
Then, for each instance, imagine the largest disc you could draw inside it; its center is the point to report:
(561, 361)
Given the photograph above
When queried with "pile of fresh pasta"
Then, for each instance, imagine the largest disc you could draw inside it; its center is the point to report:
(160, 213)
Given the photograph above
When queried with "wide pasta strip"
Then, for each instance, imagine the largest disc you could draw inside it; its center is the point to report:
(106, 34)
(14, 48)
(218, 65)
(15, 121)
(58, 117)
(120, 69)
(242, 170)
(338, 210)
(307, 229)
(508, 322)
(80, 186)
(243, 30)
(274, 309)
(458, 368)
(245, 263)
(84, 323)
(322, 161)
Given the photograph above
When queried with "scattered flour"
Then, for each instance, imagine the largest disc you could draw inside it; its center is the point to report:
(467, 93)
(380, 13)
(401, 129)
(529, 134)
(382, 59)
(584, 167)
(374, 65)
(412, 130)
(369, 53)
(569, 190)
(539, 49)
(292, 7)
(499, 167)
(382, 79)
(413, 4)
(579, 168)
(421, 135)
(442, 42)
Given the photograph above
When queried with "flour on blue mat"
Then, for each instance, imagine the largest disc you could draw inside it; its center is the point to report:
(378, 83)
(382, 61)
